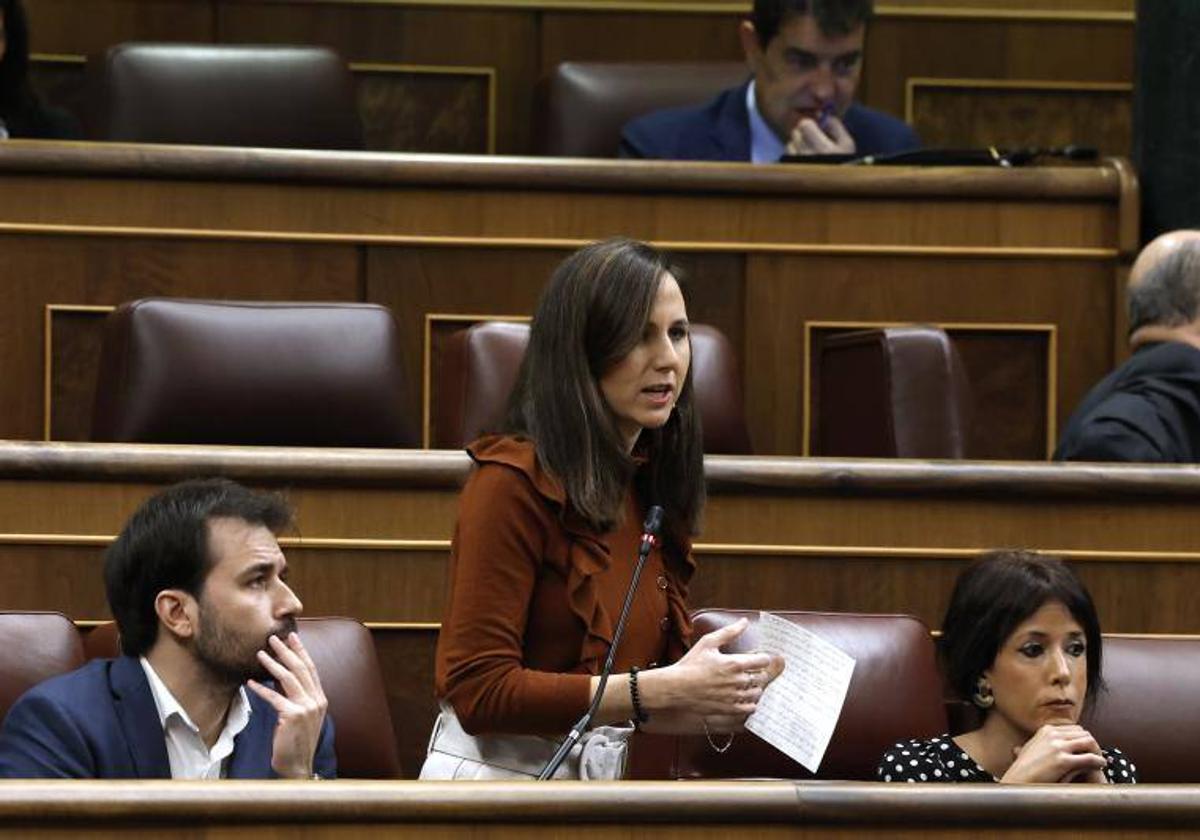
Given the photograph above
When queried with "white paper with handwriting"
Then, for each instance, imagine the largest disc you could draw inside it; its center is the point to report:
(799, 710)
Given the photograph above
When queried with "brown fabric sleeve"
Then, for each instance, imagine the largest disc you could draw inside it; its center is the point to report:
(498, 545)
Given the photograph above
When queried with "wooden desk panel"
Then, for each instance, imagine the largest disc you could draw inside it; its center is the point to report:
(769, 250)
(874, 536)
(590, 809)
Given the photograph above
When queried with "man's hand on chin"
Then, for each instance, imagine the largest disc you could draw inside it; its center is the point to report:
(809, 138)
(301, 706)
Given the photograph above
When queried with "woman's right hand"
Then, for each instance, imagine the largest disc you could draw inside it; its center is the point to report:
(706, 681)
(1057, 753)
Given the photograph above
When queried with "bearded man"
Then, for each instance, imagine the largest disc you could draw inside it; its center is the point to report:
(213, 681)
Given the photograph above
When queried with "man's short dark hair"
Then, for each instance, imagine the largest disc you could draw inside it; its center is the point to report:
(993, 596)
(1169, 293)
(834, 17)
(164, 545)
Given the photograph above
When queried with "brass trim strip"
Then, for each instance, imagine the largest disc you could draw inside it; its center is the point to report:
(929, 553)
(91, 623)
(1000, 14)
(57, 58)
(703, 549)
(912, 83)
(490, 73)
(945, 251)
(1051, 331)
(424, 626)
(742, 8)
(48, 355)
(427, 360)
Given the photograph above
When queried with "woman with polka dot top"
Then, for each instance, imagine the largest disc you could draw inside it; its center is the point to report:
(1021, 640)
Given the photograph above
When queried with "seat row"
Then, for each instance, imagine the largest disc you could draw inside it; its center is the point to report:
(331, 374)
(1147, 708)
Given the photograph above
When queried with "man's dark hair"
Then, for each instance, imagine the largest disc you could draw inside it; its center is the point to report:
(164, 545)
(834, 17)
(590, 316)
(1169, 293)
(993, 596)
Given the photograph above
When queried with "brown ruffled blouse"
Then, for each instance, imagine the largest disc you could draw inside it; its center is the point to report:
(535, 594)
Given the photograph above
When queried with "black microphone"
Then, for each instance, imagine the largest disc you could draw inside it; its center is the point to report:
(650, 529)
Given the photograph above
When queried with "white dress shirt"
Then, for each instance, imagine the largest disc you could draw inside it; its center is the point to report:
(765, 145)
(190, 757)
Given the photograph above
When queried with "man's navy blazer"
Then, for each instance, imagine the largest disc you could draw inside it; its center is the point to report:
(720, 130)
(100, 722)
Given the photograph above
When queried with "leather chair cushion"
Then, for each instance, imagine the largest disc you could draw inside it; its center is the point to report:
(895, 693)
(286, 374)
(228, 95)
(898, 392)
(586, 104)
(1150, 711)
(34, 646)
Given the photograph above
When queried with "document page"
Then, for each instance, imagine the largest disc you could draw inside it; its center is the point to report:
(799, 710)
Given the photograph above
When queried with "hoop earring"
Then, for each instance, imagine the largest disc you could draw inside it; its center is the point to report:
(983, 697)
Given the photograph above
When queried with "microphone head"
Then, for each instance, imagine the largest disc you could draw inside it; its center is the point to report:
(654, 519)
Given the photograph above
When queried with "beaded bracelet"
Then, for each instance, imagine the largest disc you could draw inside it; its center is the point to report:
(639, 714)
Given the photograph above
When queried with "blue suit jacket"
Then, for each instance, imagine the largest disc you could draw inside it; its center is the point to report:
(720, 130)
(100, 722)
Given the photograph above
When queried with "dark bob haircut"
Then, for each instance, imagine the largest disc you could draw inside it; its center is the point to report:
(164, 545)
(834, 17)
(591, 315)
(993, 596)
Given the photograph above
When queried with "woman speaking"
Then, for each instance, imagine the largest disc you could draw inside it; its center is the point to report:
(601, 425)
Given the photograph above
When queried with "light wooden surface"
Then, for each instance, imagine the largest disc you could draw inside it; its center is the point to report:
(591, 809)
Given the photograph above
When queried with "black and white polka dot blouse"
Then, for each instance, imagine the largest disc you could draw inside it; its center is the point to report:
(941, 760)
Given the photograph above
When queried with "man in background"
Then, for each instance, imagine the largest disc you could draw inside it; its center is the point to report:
(806, 59)
(1148, 409)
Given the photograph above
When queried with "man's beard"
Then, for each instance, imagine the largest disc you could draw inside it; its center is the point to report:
(230, 657)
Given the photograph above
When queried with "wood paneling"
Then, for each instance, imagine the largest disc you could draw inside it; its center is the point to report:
(1060, 41)
(71, 27)
(977, 114)
(762, 250)
(504, 40)
(427, 110)
(76, 336)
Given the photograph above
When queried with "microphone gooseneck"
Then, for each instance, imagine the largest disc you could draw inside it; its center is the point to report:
(650, 529)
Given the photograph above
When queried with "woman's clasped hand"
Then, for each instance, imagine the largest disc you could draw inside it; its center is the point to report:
(1058, 753)
(722, 688)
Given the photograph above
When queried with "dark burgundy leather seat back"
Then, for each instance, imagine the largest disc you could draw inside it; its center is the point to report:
(895, 693)
(228, 372)
(585, 104)
(226, 95)
(344, 653)
(899, 392)
(34, 646)
(479, 368)
(1150, 711)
